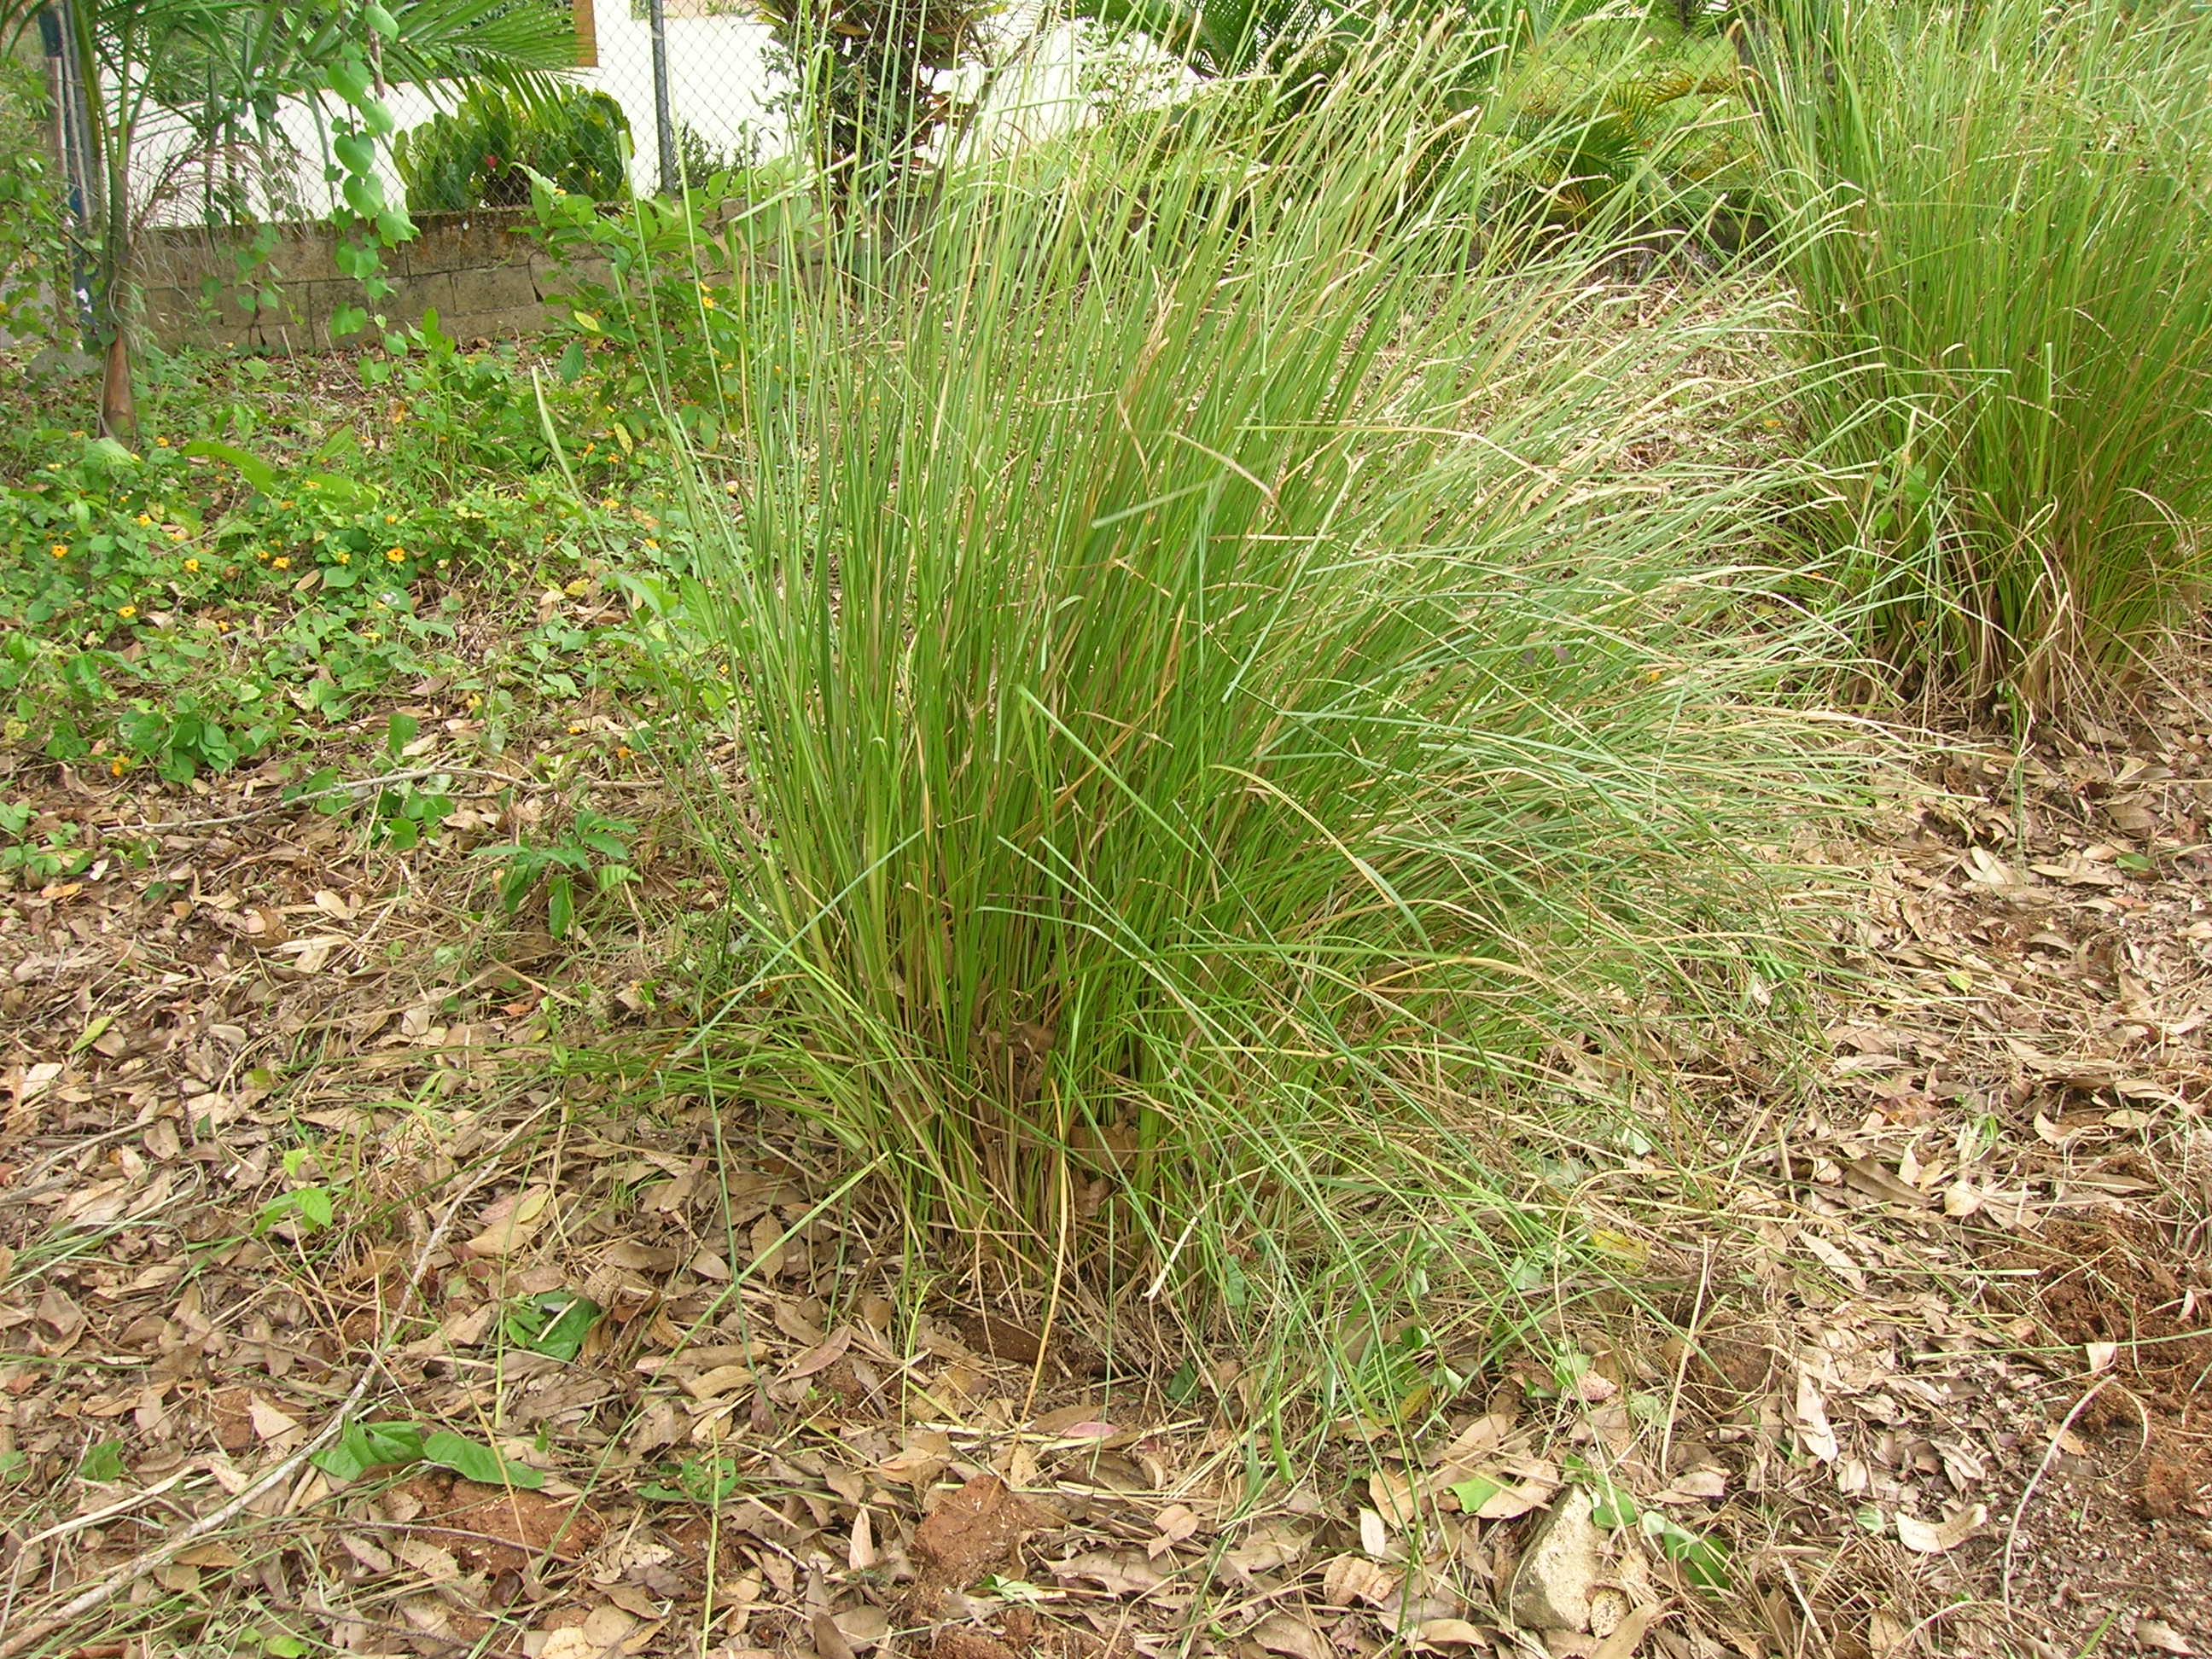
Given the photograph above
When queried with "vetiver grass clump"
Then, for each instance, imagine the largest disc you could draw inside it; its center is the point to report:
(1234, 688)
(2013, 313)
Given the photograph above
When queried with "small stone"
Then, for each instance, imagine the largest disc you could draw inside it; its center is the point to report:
(1559, 1570)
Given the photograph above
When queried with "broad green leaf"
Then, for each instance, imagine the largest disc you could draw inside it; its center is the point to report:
(554, 1324)
(364, 194)
(251, 467)
(1474, 1492)
(560, 906)
(479, 1463)
(315, 1206)
(350, 79)
(356, 150)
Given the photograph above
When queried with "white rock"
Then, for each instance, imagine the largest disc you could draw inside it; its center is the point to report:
(1559, 1569)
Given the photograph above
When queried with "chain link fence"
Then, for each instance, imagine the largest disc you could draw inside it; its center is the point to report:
(697, 79)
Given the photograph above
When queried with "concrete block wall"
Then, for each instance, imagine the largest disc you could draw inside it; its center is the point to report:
(479, 271)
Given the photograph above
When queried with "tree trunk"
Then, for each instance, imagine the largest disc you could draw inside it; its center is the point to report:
(119, 403)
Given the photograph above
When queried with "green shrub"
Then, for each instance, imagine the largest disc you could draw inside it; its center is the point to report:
(1234, 690)
(2010, 318)
(686, 282)
(481, 152)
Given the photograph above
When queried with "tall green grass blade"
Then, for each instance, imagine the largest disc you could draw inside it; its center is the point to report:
(1235, 684)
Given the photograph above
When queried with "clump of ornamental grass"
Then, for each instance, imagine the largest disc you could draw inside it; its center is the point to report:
(1237, 688)
(2010, 313)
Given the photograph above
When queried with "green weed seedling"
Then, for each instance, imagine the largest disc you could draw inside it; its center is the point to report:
(51, 854)
(554, 1323)
(308, 1207)
(708, 1481)
(364, 1448)
(596, 848)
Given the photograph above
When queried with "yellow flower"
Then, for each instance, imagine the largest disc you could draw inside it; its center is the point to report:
(126, 611)
(611, 504)
(650, 543)
(76, 434)
(145, 518)
(344, 558)
(117, 767)
(575, 730)
(176, 535)
(708, 300)
(395, 555)
(391, 518)
(281, 563)
(475, 701)
(283, 503)
(577, 589)
(192, 567)
(58, 551)
(261, 553)
(312, 484)
(164, 442)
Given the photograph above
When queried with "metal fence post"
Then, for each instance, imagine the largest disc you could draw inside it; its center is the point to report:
(663, 123)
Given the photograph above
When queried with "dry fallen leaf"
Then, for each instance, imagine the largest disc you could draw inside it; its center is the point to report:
(1887, 1635)
(1447, 1633)
(1626, 1637)
(1919, 1535)
(1176, 1523)
(1269, 1545)
(2157, 1633)
(1283, 1632)
(508, 1224)
(269, 1423)
(1351, 1579)
(1811, 1421)
(1123, 1572)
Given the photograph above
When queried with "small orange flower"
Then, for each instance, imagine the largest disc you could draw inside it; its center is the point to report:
(126, 611)
(58, 551)
(164, 442)
(395, 555)
(280, 563)
(344, 558)
(191, 567)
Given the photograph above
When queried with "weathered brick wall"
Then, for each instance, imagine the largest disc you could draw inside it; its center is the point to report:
(483, 276)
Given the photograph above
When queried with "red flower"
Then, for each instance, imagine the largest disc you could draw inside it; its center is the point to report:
(492, 163)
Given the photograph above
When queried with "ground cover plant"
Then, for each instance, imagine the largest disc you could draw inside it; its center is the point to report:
(258, 574)
(1146, 921)
(2013, 322)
